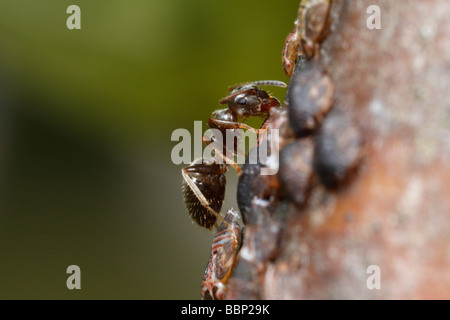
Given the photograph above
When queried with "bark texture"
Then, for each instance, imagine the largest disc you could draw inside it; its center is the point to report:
(395, 211)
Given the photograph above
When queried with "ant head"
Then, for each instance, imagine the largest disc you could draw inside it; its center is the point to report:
(249, 99)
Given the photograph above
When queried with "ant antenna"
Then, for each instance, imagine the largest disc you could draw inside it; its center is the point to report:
(272, 83)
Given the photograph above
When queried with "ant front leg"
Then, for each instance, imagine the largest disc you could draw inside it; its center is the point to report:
(226, 124)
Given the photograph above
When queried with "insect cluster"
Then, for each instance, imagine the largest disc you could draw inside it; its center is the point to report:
(317, 142)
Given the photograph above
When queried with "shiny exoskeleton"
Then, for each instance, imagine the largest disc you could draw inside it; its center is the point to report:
(246, 188)
(224, 249)
(204, 191)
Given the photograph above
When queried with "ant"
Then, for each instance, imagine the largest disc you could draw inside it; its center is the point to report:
(204, 180)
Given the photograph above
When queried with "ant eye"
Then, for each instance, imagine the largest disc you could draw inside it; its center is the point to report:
(241, 100)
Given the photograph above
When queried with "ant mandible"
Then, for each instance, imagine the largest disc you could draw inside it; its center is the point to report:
(204, 180)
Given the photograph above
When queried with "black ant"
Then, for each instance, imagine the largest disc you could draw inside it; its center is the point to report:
(204, 180)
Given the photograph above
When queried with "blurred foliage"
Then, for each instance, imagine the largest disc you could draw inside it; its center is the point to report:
(86, 117)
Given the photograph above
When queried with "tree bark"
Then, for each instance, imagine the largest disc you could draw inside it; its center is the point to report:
(395, 211)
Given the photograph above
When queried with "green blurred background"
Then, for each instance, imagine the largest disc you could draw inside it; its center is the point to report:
(86, 117)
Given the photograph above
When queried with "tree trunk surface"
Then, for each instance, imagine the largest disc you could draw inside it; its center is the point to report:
(395, 212)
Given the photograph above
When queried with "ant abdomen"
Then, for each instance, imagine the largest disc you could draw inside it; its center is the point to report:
(204, 191)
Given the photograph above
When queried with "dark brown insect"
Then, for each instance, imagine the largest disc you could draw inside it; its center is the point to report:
(224, 249)
(338, 149)
(310, 97)
(204, 190)
(296, 170)
(204, 181)
(246, 188)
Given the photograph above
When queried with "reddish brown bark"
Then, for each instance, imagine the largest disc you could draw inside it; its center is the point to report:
(395, 212)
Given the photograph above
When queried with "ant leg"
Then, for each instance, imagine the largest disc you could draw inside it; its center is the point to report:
(225, 124)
